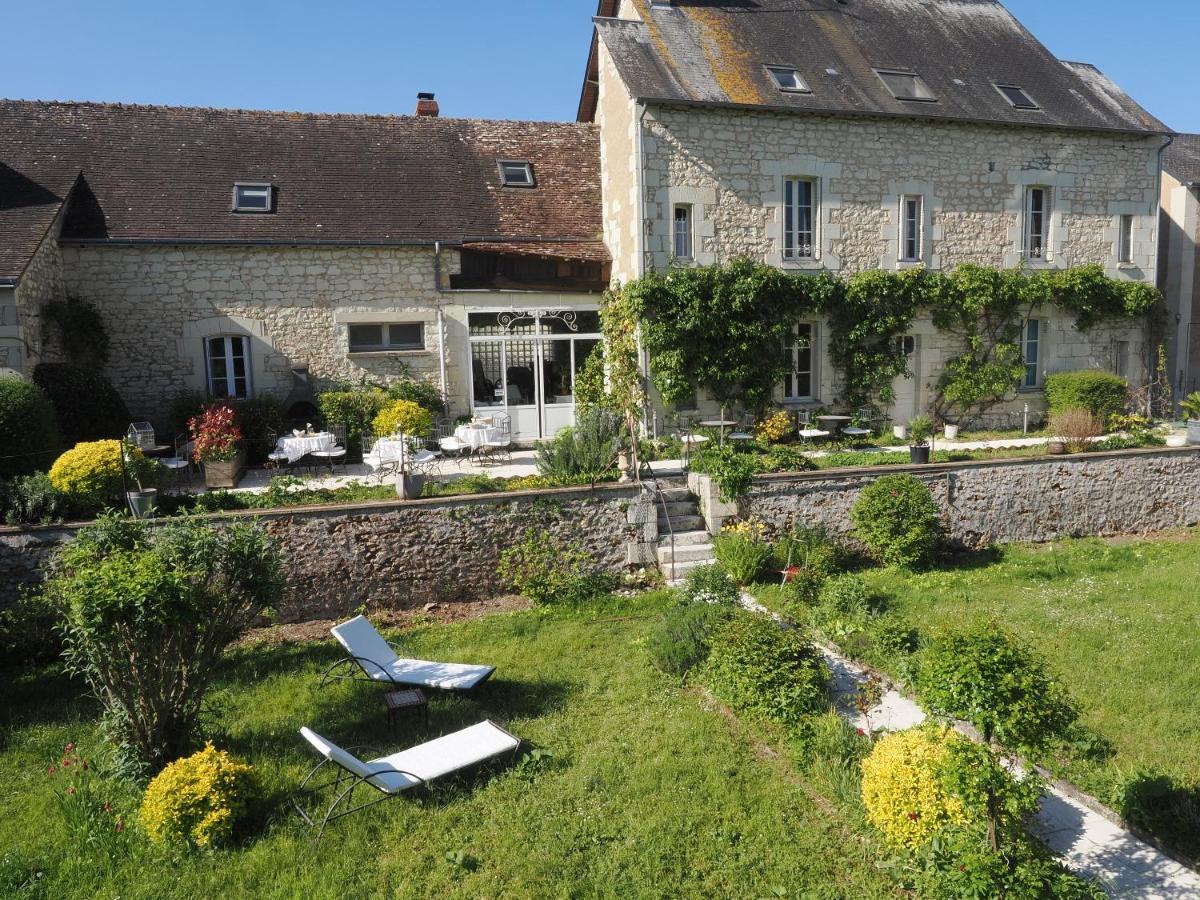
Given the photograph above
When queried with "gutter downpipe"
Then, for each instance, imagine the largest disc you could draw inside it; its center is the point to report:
(437, 283)
(1151, 350)
(639, 246)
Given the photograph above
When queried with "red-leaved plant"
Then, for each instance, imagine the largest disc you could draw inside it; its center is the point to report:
(215, 433)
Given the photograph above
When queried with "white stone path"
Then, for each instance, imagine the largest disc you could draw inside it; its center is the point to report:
(1089, 844)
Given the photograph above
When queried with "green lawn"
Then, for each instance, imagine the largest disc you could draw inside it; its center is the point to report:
(646, 792)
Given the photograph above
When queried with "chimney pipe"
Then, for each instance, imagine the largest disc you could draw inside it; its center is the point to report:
(426, 105)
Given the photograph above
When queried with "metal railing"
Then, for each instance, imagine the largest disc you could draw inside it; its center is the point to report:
(662, 499)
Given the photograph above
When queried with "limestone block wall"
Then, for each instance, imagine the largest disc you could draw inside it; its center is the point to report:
(616, 115)
(41, 283)
(401, 555)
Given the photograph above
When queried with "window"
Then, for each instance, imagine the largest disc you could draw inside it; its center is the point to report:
(516, 173)
(252, 198)
(683, 231)
(1037, 222)
(227, 360)
(911, 215)
(1016, 96)
(799, 214)
(788, 79)
(382, 338)
(1032, 352)
(906, 345)
(799, 382)
(1125, 240)
(906, 85)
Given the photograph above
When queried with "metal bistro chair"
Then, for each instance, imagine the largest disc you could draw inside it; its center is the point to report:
(448, 443)
(377, 467)
(276, 458)
(858, 434)
(809, 434)
(501, 445)
(743, 432)
(335, 453)
(181, 461)
(690, 441)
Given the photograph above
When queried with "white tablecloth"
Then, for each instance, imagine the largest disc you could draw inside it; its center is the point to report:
(476, 436)
(297, 448)
(389, 451)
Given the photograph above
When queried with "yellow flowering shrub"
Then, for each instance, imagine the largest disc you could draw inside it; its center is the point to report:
(743, 550)
(197, 800)
(402, 416)
(90, 473)
(775, 427)
(902, 789)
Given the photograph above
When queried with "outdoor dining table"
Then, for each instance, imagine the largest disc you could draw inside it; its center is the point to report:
(475, 436)
(834, 424)
(720, 424)
(297, 447)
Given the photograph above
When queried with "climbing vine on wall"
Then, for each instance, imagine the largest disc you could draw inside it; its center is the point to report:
(625, 393)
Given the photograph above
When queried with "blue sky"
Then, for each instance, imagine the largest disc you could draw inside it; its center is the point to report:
(485, 58)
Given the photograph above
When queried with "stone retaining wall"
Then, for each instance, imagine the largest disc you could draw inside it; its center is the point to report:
(404, 554)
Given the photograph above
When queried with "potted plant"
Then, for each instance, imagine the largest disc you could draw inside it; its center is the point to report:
(144, 500)
(1190, 405)
(920, 430)
(216, 445)
(408, 486)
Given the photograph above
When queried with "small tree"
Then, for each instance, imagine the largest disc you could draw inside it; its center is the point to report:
(146, 614)
(985, 676)
(898, 521)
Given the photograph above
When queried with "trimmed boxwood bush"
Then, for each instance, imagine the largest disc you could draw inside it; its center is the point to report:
(89, 407)
(1101, 393)
(28, 427)
(898, 521)
(758, 667)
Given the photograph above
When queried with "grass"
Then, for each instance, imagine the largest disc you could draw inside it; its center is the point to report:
(643, 789)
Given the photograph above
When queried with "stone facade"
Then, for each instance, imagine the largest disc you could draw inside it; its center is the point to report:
(1180, 280)
(41, 283)
(400, 555)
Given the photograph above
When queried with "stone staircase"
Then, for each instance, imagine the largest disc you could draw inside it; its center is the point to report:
(692, 542)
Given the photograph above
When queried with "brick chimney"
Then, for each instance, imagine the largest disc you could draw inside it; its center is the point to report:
(426, 105)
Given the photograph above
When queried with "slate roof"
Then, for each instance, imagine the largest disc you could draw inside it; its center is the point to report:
(1182, 159)
(714, 52)
(166, 174)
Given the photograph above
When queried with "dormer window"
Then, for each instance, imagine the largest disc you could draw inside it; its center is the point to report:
(906, 85)
(1016, 96)
(788, 79)
(516, 173)
(252, 197)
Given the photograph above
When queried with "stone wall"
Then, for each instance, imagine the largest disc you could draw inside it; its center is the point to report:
(1036, 499)
(404, 554)
(41, 283)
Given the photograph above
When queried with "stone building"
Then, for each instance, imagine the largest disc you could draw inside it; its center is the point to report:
(1179, 262)
(871, 134)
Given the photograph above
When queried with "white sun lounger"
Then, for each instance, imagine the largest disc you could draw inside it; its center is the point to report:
(379, 661)
(395, 774)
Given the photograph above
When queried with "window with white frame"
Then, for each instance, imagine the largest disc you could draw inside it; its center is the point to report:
(788, 79)
(1037, 222)
(799, 382)
(515, 173)
(906, 85)
(799, 218)
(382, 337)
(1125, 240)
(911, 231)
(227, 364)
(252, 197)
(683, 231)
(1032, 353)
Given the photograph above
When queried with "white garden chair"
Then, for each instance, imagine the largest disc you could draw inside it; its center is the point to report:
(393, 775)
(379, 662)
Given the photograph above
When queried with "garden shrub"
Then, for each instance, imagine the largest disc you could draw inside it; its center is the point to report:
(147, 613)
(354, 410)
(729, 468)
(1190, 405)
(776, 427)
(742, 549)
(893, 637)
(402, 416)
(27, 632)
(898, 521)
(88, 406)
(903, 787)
(683, 640)
(89, 475)
(1076, 427)
(756, 666)
(258, 418)
(1161, 805)
(709, 584)
(198, 800)
(1100, 393)
(586, 450)
(546, 570)
(806, 557)
(28, 427)
(31, 500)
(780, 458)
(425, 395)
(590, 389)
(185, 405)
(843, 607)
(77, 327)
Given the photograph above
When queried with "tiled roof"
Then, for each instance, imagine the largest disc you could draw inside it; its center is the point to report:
(167, 174)
(715, 53)
(1182, 159)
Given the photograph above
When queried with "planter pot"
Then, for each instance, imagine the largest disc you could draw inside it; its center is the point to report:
(952, 432)
(224, 473)
(900, 431)
(142, 504)
(1193, 432)
(918, 455)
(409, 487)
(1177, 439)
(1056, 448)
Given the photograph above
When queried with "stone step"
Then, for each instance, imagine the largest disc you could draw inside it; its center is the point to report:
(689, 553)
(677, 495)
(681, 525)
(681, 569)
(680, 508)
(684, 538)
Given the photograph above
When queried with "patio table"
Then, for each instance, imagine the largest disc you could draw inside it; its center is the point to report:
(721, 425)
(296, 448)
(834, 424)
(475, 436)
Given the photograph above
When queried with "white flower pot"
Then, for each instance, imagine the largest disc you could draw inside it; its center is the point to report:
(951, 432)
(1177, 439)
(900, 431)
(1193, 431)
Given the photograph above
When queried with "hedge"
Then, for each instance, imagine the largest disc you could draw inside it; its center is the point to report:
(28, 428)
(1101, 393)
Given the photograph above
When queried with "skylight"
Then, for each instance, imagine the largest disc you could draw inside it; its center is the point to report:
(906, 85)
(788, 79)
(516, 173)
(249, 197)
(1016, 96)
